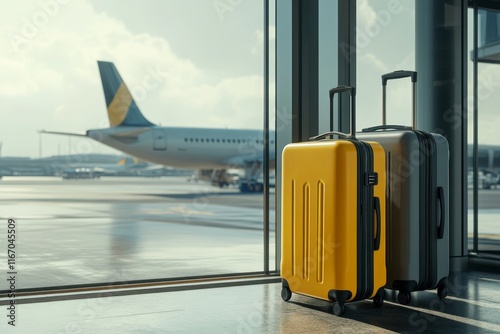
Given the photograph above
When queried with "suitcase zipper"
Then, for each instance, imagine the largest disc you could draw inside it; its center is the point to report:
(428, 269)
(366, 179)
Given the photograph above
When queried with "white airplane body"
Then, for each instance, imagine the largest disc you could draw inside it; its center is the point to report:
(193, 148)
(202, 148)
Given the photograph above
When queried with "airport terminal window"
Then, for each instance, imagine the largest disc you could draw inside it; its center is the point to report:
(380, 26)
(133, 220)
(486, 239)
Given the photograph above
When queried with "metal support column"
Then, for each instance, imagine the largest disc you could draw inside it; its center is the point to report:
(301, 85)
(346, 58)
(441, 63)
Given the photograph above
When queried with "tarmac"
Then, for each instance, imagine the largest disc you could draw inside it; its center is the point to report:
(81, 232)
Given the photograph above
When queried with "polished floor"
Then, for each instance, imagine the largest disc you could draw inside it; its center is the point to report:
(472, 306)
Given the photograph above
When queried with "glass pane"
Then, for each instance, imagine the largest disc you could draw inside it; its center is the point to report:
(188, 65)
(470, 131)
(273, 265)
(382, 25)
(488, 139)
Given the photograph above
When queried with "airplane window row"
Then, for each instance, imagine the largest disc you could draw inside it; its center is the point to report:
(217, 140)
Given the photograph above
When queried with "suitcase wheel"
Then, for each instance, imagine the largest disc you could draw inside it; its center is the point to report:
(442, 292)
(378, 301)
(404, 297)
(286, 294)
(338, 309)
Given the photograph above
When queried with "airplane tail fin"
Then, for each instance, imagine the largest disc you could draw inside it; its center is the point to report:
(122, 109)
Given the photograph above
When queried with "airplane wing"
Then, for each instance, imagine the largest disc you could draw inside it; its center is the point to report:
(63, 133)
(121, 134)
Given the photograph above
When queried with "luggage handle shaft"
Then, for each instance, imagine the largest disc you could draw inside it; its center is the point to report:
(440, 196)
(376, 242)
(352, 91)
(399, 75)
(387, 127)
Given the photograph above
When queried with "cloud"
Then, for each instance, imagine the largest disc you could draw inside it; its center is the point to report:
(15, 81)
(366, 14)
(49, 77)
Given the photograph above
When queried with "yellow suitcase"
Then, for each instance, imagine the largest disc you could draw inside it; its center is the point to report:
(333, 219)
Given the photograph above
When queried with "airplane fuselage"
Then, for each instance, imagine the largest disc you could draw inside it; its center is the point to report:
(188, 147)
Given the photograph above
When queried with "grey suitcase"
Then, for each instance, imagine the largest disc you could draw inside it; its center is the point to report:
(417, 203)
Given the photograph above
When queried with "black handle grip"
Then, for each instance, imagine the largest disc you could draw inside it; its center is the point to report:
(330, 133)
(341, 89)
(376, 242)
(440, 196)
(387, 127)
(399, 75)
(352, 92)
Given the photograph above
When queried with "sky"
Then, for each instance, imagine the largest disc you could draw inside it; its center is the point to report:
(389, 44)
(206, 63)
(205, 58)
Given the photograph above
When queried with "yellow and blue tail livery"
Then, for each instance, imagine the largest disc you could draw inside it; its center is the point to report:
(122, 109)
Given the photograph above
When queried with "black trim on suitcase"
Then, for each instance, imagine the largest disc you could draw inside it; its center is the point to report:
(339, 296)
(376, 207)
(365, 213)
(427, 234)
(432, 199)
(428, 199)
(442, 212)
(365, 221)
(424, 240)
(365, 209)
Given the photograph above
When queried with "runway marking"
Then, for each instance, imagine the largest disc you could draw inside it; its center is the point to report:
(135, 314)
(185, 210)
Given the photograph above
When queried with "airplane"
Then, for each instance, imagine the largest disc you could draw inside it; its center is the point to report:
(208, 149)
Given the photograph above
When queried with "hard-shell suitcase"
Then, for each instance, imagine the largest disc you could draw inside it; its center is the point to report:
(417, 203)
(333, 218)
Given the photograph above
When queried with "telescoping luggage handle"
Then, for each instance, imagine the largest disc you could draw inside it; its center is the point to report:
(399, 75)
(332, 92)
(392, 76)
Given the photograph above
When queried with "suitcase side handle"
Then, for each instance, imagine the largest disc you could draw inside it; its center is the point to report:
(398, 75)
(376, 205)
(442, 217)
(387, 127)
(352, 92)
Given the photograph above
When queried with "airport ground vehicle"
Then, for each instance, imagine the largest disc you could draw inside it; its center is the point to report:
(486, 179)
(79, 173)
